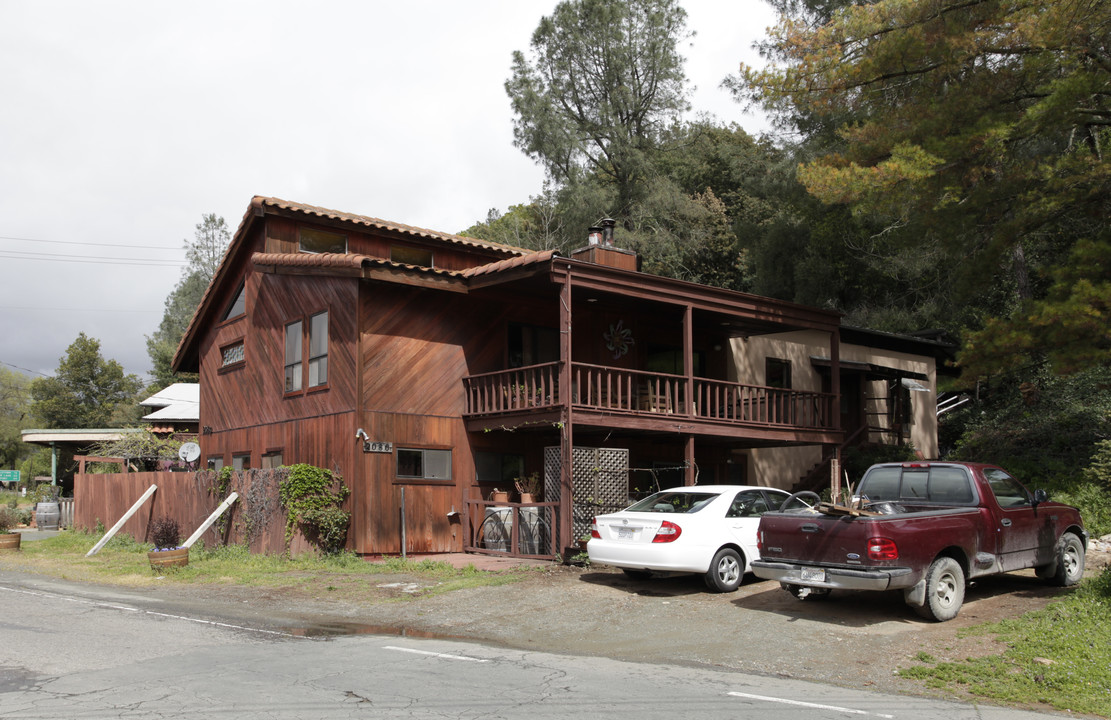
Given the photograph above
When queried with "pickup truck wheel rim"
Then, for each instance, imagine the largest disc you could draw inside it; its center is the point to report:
(946, 589)
(1071, 559)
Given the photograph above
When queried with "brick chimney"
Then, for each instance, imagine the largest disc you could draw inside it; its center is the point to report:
(600, 250)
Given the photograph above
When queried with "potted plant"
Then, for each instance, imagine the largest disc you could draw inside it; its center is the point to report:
(529, 487)
(9, 518)
(166, 536)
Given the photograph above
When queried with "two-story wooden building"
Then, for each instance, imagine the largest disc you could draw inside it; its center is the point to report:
(429, 369)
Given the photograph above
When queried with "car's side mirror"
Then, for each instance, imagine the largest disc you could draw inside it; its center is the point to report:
(1040, 496)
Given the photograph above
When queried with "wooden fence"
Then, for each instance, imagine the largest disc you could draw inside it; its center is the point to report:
(188, 498)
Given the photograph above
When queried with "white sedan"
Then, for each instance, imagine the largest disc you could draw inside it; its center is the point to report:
(707, 529)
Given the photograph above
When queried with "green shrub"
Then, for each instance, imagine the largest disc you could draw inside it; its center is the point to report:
(312, 498)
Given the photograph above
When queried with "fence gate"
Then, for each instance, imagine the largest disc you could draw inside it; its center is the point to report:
(599, 483)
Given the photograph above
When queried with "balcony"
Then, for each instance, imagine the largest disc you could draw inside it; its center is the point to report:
(616, 392)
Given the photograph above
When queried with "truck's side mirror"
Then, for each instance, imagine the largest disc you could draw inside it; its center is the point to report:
(1040, 496)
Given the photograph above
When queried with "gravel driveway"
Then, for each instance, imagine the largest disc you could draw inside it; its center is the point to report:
(853, 639)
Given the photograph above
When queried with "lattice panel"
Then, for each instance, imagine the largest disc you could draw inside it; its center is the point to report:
(599, 483)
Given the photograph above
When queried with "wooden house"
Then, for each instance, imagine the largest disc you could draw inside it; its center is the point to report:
(430, 369)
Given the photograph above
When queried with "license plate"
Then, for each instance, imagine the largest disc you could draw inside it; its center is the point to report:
(813, 575)
(624, 533)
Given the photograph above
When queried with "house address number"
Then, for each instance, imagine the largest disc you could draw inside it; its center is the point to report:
(377, 447)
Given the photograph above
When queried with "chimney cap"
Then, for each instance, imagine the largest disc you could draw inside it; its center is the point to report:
(607, 231)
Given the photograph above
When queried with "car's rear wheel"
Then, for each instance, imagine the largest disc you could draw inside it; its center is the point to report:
(944, 590)
(726, 570)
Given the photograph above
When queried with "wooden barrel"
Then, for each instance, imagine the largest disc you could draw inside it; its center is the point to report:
(47, 515)
(9, 541)
(162, 559)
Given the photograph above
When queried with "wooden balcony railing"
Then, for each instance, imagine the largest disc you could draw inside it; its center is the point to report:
(608, 389)
(534, 386)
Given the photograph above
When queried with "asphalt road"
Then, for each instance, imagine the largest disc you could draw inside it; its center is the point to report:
(76, 651)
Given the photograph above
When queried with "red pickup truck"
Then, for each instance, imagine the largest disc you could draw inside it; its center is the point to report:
(926, 528)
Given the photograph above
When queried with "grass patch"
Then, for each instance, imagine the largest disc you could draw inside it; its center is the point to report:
(1058, 656)
(123, 561)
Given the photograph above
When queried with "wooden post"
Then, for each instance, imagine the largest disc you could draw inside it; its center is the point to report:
(119, 524)
(567, 447)
(211, 519)
(404, 542)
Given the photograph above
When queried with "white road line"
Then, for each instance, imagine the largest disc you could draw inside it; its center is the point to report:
(818, 706)
(434, 654)
(125, 608)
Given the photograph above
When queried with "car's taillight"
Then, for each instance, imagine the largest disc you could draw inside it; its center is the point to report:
(668, 532)
(882, 549)
(760, 540)
(594, 528)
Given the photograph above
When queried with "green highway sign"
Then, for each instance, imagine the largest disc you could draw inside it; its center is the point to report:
(9, 476)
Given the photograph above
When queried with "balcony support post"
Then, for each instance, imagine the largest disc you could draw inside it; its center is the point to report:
(567, 464)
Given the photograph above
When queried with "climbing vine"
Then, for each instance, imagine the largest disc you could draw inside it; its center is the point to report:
(313, 498)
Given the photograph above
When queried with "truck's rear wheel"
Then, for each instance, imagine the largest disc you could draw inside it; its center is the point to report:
(944, 590)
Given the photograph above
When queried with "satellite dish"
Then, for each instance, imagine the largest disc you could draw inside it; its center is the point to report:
(189, 452)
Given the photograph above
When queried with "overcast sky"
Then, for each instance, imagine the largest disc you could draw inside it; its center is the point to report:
(123, 123)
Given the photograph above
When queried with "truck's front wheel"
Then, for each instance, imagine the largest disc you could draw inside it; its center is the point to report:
(944, 590)
(1070, 560)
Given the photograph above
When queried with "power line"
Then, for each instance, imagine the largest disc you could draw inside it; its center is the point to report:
(83, 309)
(17, 367)
(94, 244)
(17, 255)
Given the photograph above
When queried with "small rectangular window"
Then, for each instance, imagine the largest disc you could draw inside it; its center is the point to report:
(318, 350)
(411, 256)
(231, 354)
(272, 460)
(293, 356)
(241, 462)
(424, 464)
(777, 373)
(320, 241)
(215, 462)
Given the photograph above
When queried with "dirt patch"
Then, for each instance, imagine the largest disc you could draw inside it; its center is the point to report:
(853, 639)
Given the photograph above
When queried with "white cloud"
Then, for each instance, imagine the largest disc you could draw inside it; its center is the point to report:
(125, 122)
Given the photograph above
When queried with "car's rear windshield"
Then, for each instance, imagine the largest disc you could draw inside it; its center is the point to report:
(945, 485)
(674, 501)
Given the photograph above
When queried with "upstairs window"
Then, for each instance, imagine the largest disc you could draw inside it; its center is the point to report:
(293, 333)
(411, 256)
(318, 350)
(232, 355)
(317, 343)
(320, 241)
(238, 305)
(777, 373)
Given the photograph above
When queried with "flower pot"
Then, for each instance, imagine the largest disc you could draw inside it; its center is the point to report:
(9, 541)
(162, 559)
(500, 496)
(527, 498)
